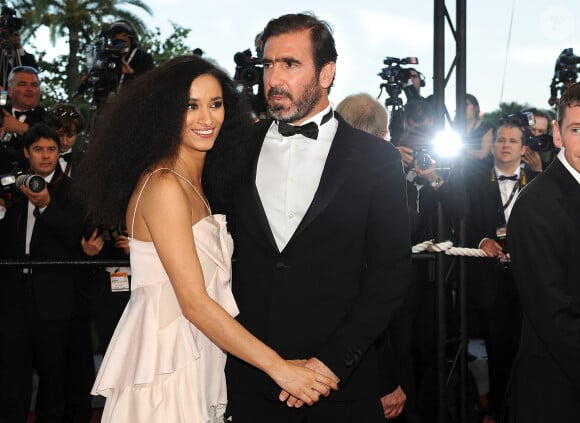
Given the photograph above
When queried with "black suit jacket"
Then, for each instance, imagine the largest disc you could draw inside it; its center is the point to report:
(482, 220)
(342, 275)
(56, 235)
(544, 239)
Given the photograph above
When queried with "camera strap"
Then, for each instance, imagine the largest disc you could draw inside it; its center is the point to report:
(122, 78)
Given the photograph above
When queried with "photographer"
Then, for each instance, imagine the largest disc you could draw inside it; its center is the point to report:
(493, 307)
(22, 110)
(134, 60)
(39, 304)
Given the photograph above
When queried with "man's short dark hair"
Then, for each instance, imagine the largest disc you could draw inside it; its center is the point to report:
(323, 45)
(570, 98)
(38, 131)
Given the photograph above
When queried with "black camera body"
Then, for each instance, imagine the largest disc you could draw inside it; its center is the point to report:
(10, 184)
(250, 73)
(525, 120)
(397, 78)
(104, 59)
(567, 66)
(422, 156)
(9, 22)
(249, 70)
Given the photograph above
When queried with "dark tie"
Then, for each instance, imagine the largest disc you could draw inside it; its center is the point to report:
(17, 114)
(506, 178)
(67, 157)
(36, 212)
(310, 130)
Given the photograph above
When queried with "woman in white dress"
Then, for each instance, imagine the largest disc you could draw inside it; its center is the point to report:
(145, 163)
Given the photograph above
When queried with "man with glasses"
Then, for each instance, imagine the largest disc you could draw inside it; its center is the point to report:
(23, 110)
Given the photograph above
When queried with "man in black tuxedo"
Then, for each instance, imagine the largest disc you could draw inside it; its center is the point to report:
(322, 238)
(493, 308)
(544, 240)
(22, 111)
(37, 305)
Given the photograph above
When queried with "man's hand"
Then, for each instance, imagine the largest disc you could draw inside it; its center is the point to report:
(406, 155)
(492, 248)
(93, 245)
(39, 199)
(11, 124)
(394, 403)
(122, 242)
(532, 159)
(319, 367)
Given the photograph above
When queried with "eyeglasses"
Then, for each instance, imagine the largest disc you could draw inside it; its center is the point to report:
(65, 111)
(27, 69)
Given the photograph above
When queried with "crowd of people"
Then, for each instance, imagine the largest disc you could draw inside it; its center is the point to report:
(271, 274)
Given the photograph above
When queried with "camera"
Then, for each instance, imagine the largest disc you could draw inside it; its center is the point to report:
(525, 120)
(249, 73)
(10, 184)
(9, 23)
(565, 74)
(397, 77)
(422, 158)
(104, 59)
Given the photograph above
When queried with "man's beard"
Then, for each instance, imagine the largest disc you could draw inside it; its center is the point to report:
(298, 109)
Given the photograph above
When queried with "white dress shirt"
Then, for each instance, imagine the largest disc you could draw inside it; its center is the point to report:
(568, 166)
(288, 175)
(506, 188)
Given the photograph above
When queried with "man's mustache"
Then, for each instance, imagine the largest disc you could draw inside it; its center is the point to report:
(278, 91)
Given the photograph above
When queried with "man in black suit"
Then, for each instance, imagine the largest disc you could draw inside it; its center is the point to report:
(37, 305)
(493, 308)
(22, 111)
(322, 238)
(544, 240)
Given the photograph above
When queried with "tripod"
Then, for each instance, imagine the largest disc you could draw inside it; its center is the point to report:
(397, 111)
(9, 58)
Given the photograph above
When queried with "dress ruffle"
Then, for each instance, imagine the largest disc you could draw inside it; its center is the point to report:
(157, 360)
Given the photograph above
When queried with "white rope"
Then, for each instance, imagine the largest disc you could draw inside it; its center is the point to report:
(449, 249)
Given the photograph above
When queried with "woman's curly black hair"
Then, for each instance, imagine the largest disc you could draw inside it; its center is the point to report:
(142, 126)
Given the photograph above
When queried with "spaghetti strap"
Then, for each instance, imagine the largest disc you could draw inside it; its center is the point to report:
(145, 184)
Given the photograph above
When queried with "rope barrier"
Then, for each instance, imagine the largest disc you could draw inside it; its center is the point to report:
(448, 248)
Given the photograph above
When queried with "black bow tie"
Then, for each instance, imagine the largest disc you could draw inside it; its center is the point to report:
(507, 178)
(17, 114)
(67, 157)
(309, 130)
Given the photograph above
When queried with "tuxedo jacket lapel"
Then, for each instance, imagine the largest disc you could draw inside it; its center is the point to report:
(340, 158)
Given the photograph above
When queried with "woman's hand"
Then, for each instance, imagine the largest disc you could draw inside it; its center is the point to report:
(301, 385)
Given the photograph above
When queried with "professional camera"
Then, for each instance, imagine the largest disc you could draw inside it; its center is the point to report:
(104, 59)
(565, 73)
(10, 184)
(9, 23)
(525, 120)
(398, 78)
(249, 73)
(422, 156)
(397, 82)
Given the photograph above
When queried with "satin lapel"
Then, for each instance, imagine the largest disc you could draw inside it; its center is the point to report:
(338, 164)
(251, 210)
(571, 190)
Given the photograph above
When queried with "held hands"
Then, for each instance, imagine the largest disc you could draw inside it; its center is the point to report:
(325, 381)
(303, 385)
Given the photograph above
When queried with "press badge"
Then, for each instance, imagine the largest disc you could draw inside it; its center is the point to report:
(119, 281)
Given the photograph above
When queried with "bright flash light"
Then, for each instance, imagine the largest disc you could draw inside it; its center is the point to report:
(447, 144)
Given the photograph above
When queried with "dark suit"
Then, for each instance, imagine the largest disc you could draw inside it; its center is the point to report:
(36, 310)
(544, 239)
(340, 278)
(493, 307)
